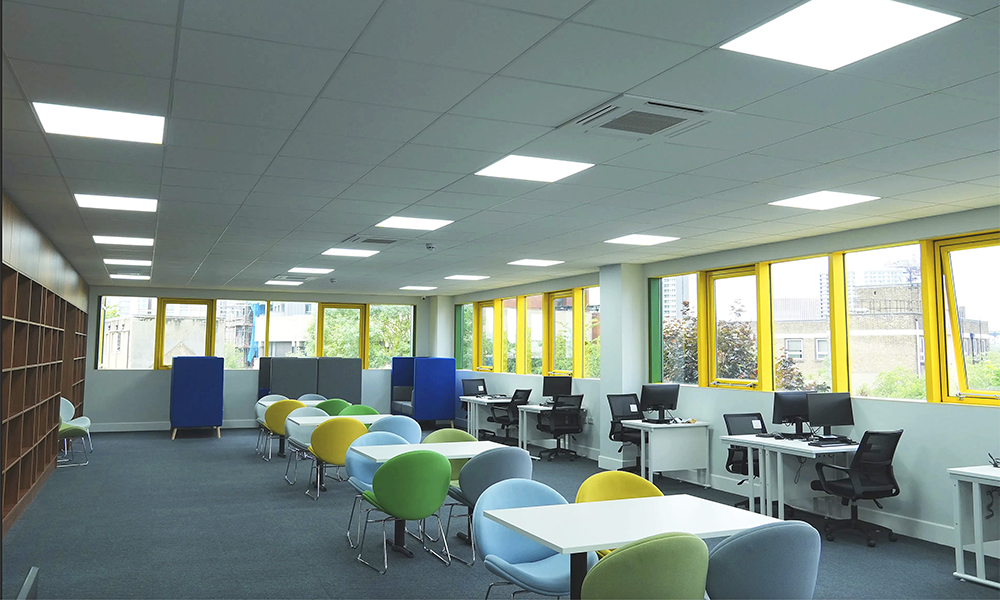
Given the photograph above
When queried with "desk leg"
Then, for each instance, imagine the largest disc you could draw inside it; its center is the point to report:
(644, 461)
(473, 421)
(977, 528)
(754, 457)
(959, 544)
(765, 483)
(281, 446)
(398, 543)
(778, 462)
(577, 571)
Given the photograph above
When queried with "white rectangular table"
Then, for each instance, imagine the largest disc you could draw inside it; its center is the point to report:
(261, 407)
(771, 468)
(299, 430)
(522, 428)
(614, 523)
(968, 495)
(477, 405)
(450, 450)
(672, 447)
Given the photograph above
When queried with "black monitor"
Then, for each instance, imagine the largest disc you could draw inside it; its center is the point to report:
(791, 407)
(557, 385)
(659, 397)
(474, 387)
(831, 409)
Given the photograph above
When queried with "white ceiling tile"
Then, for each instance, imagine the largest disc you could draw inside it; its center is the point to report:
(213, 160)
(299, 187)
(209, 179)
(470, 37)
(102, 171)
(376, 193)
(478, 134)
(108, 151)
(751, 167)
(531, 102)
(464, 201)
(17, 115)
(30, 165)
(923, 116)
(735, 132)
(827, 145)
(365, 120)
(801, 216)
(436, 158)
(322, 24)
(640, 200)
(559, 9)
(963, 169)
(590, 148)
(577, 194)
(762, 212)
(100, 222)
(188, 213)
(254, 64)
(928, 210)
(338, 148)
(691, 186)
(534, 206)
(74, 86)
(201, 195)
(286, 201)
(980, 202)
(882, 206)
(422, 211)
(616, 177)
(831, 98)
(163, 12)
(108, 187)
(719, 223)
(949, 193)
(595, 58)
(239, 107)
(823, 177)
(321, 170)
(905, 157)
(705, 23)
(82, 40)
(277, 214)
(702, 206)
(983, 136)
(225, 137)
(10, 87)
(363, 207)
(890, 185)
(408, 178)
(724, 80)
(985, 89)
(24, 142)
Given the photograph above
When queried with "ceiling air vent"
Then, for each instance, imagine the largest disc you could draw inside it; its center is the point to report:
(293, 278)
(638, 118)
(363, 239)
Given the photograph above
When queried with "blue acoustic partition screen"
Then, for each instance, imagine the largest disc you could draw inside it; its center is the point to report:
(432, 382)
(196, 392)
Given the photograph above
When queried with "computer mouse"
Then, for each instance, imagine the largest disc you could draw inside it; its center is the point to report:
(778, 436)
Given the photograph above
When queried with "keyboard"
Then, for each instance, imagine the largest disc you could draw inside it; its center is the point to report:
(841, 442)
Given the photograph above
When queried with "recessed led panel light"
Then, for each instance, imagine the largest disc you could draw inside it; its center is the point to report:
(638, 239)
(135, 277)
(828, 34)
(418, 288)
(824, 200)
(350, 252)
(128, 262)
(531, 262)
(310, 270)
(96, 123)
(468, 277)
(116, 203)
(282, 282)
(414, 223)
(122, 241)
(530, 168)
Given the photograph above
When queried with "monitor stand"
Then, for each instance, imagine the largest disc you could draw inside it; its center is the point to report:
(661, 419)
(799, 433)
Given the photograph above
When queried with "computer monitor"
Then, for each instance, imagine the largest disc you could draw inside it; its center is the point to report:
(659, 397)
(791, 407)
(831, 409)
(557, 385)
(474, 387)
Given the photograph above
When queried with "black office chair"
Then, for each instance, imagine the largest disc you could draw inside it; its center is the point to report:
(738, 460)
(625, 407)
(565, 419)
(507, 415)
(869, 477)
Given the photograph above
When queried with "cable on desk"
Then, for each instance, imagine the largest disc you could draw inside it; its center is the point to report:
(989, 506)
(802, 463)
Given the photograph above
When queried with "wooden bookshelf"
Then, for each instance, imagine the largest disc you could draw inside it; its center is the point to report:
(44, 354)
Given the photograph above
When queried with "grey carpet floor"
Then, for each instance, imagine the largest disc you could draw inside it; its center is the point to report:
(201, 517)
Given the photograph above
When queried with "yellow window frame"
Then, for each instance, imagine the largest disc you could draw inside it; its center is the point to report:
(362, 327)
(477, 335)
(762, 287)
(500, 343)
(582, 318)
(523, 340)
(548, 363)
(161, 322)
(944, 298)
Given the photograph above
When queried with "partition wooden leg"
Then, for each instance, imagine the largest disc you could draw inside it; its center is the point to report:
(218, 432)
(173, 433)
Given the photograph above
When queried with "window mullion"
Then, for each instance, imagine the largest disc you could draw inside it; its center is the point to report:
(706, 325)
(765, 341)
(839, 362)
(578, 316)
(932, 297)
(160, 324)
(521, 350)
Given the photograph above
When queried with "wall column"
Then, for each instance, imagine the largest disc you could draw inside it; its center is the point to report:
(442, 326)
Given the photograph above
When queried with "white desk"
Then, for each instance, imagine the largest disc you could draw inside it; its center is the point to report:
(968, 483)
(771, 468)
(614, 523)
(478, 405)
(299, 430)
(672, 447)
(523, 426)
(450, 450)
(261, 407)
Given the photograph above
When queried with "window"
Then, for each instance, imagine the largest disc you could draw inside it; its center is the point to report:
(239, 332)
(970, 294)
(885, 322)
(534, 333)
(343, 327)
(485, 328)
(733, 305)
(291, 329)
(128, 333)
(592, 332)
(800, 312)
(507, 347)
(464, 330)
(822, 348)
(184, 328)
(675, 304)
(562, 332)
(390, 333)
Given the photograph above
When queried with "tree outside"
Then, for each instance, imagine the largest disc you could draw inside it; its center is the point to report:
(390, 333)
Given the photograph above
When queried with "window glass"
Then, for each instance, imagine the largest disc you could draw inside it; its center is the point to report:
(464, 353)
(486, 336)
(342, 331)
(736, 327)
(976, 294)
(822, 348)
(534, 332)
(592, 332)
(292, 329)
(239, 332)
(508, 329)
(128, 332)
(800, 317)
(885, 322)
(185, 330)
(680, 328)
(390, 333)
(562, 334)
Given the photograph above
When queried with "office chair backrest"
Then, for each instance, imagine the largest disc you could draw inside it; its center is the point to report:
(624, 406)
(744, 423)
(566, 415)
(875, 452)
(520, 396)
(568, 402)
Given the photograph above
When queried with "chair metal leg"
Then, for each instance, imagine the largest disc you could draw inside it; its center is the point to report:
(91, 441)
(69, 459)
(295, 472)
(490, 588)
(468, 517)
(446, 556)
(319, 474)
(356, 505)
(385, 541)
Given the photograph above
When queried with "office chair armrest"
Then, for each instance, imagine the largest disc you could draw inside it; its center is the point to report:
(855, 482)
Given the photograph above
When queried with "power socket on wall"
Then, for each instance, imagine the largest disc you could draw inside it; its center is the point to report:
(589, 420)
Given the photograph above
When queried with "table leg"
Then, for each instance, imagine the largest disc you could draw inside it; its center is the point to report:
(778, 462)
(577, 571)
(977, 528)
(398, 543)
(959, 544)
(281, 446)
(765, 483)
(753, 457)
(643, 456)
